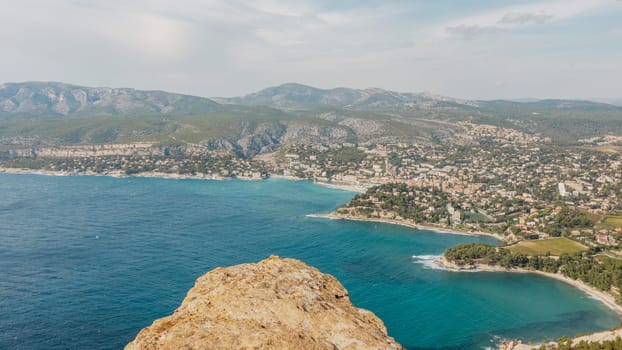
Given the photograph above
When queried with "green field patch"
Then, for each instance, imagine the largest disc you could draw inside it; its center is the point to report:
(554, 246)
(613, 221)
(609, 149)
(475, 217)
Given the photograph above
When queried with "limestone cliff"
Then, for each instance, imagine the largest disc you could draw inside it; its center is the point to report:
(274, 304)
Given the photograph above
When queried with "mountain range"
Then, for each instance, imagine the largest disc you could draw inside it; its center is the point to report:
(48, 99)
(54, 113)
(294, 96)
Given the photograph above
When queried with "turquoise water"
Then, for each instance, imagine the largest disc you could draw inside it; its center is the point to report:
(86, 262)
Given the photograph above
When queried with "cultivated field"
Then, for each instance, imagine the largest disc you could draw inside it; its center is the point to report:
(613, 221)
(555, 246)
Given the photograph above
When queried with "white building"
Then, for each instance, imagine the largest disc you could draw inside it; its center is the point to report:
(562, 189)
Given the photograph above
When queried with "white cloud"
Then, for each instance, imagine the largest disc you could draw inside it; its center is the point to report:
(518, 16)
(278, 37)
(524, 18)
(218, 47)
(149, 35)
(280, 8)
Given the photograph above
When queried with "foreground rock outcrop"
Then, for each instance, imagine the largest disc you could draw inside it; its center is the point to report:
(274, 304)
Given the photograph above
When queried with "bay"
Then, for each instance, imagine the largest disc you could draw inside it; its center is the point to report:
(86, 262)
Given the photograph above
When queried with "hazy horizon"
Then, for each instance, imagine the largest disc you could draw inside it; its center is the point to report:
(478, 50)
(613, 101)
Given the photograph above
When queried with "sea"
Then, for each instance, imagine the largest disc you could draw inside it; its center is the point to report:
(88, 261)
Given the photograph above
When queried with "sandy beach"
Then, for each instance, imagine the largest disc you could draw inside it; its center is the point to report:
(344, 187)
(590, 338)
(285, 177)
(338, 186)
(606, 298)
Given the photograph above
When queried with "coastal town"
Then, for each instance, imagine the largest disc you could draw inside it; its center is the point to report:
(207, 165)
(502, 182)
(508, 184)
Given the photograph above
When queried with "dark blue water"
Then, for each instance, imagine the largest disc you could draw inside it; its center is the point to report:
(86, 262)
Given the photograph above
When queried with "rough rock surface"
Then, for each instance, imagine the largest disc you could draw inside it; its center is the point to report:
(274, 304)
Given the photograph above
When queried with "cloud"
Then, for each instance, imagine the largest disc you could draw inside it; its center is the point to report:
(520, 16)
(282, 9)
(231, 47)
(524, 18)
(508, 21)
(469, 31)
(145, 34)
(277, 37)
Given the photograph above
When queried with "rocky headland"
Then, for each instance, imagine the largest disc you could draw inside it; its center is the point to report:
(389, 218)
(273, 304)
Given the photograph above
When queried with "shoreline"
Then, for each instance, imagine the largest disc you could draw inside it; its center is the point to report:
(343, 187)
(604, 297)
(334, 216)
(176, 176)
(286, 177)
(121, 174)
(160, 175)
(27, 171)
(596, 337)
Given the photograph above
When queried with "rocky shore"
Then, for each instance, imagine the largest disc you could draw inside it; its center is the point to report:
(273, 304)
(120, 173)
(410, 224)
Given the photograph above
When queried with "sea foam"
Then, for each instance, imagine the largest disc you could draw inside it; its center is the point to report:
(428, 261)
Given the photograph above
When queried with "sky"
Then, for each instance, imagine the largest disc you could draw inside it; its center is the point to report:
(475, 49)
